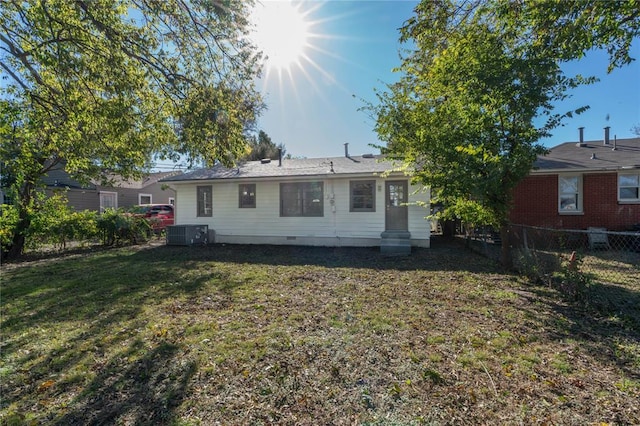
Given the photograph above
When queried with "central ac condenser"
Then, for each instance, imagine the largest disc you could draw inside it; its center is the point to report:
(187, 235)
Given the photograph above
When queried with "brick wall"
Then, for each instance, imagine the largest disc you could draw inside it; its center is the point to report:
(536, 204)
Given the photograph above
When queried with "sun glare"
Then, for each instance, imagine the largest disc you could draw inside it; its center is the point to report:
(280, 32)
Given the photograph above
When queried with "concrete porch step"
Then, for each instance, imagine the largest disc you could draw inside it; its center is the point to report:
(395, 243)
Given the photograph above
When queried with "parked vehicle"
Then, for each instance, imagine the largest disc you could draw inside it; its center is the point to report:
(159, 215)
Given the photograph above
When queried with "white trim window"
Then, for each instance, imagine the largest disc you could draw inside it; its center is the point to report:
(108, 200)
(629, 187)
(570, 194)
(145, 199)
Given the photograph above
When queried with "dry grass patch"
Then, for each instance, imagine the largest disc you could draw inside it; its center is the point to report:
(285, 335)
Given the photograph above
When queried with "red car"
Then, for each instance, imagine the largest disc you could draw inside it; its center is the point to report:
(159, 215)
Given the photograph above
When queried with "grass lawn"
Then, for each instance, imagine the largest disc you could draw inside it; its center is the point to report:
(283, 335)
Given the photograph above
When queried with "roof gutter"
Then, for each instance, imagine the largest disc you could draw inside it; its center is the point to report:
(584, 170)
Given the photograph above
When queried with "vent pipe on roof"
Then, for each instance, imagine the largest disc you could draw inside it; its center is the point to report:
(593, 156)
(581, 131)
(606, 135)
(615, 142)
(279, 157)
(346, 149)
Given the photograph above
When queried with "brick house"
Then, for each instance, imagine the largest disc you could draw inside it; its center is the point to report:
(581, 185)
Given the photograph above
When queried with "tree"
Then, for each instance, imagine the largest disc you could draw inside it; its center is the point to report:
(569, 29)
(464, 113)
(264, 147)
(102, 86)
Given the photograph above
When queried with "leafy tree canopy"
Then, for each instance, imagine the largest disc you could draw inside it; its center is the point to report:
(264, 147)
(569, 29)
(103, 85)
(480, 76)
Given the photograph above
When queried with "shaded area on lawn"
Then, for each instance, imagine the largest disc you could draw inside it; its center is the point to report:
(143, 392)
(445, 254)
(304, 335)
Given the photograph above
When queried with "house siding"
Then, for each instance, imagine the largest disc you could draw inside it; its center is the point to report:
(89, 199)
(536, 204)
(263, 224)
(128, 197)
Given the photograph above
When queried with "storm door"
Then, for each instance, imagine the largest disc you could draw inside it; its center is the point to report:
(396, 214)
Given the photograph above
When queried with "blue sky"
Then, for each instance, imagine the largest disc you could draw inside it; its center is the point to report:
(313, 108)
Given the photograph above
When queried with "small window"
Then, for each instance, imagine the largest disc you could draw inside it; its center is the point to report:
(205, 205)
(145, 199)
(629, 187)
(247, 195)
(108, 200)
(570, 194)
(363, 196)
(302, 199)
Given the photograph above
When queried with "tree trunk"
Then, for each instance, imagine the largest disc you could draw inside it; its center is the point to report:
(506, 259)
(17, 246)
(24, 222)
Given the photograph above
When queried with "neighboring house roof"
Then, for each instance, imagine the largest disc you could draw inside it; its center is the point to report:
(60, 178)
(622, 154)
(149, 179)
(292, 168)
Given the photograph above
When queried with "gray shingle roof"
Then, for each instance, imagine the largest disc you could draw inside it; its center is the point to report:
(592, 155)
(291, 168)
(58, 177)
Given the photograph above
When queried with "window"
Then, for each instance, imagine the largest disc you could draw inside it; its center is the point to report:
(108, 200)
(144, 199)
(569, 190)
(629, 187)
(247, 195)
(301, 199)
(204, 201)
(363, 196)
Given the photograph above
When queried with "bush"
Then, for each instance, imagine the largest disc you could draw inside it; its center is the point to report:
(8, 223)
(119, 227)
(52, 222)
(77, 226)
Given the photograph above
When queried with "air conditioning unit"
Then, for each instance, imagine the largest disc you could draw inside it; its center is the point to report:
(187, 235)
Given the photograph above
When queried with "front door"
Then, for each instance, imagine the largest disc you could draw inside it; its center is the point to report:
(396, 215)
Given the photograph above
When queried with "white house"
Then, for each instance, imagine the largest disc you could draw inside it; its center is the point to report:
(341, 201)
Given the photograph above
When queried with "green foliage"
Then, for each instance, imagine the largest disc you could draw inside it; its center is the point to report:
(53, 222)
(264, 147)
(571, 279)
(8, 222)
(47, 216)
(476, 83)
(101, 87)
(569, 29)
(470, 212)
(119, 227)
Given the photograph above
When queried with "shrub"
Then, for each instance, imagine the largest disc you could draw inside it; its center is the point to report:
(49, 222)
(77, 226)
(8, 223)
(119, 227)
(571, 279)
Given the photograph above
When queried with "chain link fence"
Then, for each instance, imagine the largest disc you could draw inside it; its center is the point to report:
(554, 256)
